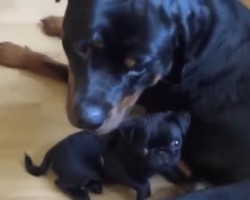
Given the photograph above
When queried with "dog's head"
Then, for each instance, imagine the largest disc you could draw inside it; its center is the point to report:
(116, 49)
(154, 140)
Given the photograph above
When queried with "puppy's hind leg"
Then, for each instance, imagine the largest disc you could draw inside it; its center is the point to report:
(76, 193)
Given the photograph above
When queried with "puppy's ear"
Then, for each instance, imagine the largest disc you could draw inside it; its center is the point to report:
(184, 119)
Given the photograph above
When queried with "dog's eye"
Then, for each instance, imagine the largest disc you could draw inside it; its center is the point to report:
(97, 44)
(130, 62)
(97, 41)
(137, 65)
(84, 48)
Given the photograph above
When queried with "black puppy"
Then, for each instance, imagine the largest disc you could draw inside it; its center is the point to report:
(152, 146)
(129, 155)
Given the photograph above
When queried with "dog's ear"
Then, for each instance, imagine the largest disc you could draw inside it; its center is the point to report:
(194, 17)
(183, 119)
(191, 17)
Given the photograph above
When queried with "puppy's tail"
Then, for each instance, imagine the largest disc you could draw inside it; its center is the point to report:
(37, 170)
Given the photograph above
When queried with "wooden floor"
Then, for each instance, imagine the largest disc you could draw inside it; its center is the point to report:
(32, 109)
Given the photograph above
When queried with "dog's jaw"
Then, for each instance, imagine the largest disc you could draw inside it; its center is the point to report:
(119, 113)
(111, 123)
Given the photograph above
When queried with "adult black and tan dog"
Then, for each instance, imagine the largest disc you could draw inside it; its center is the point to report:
(131, 154)
(193, 52)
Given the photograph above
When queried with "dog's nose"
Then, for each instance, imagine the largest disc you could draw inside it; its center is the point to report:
(92, 116)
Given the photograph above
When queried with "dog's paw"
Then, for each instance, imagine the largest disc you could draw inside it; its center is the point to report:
(12, 55)
(52, 26)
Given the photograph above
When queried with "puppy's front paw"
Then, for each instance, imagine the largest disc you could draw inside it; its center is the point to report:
(52, 26)
(12, 55)
(95, 188)
(148, 194)
(144, 192)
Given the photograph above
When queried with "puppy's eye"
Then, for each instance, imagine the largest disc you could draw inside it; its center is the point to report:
(175, 144)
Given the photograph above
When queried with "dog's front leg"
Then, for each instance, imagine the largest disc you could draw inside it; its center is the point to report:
(177, 176)
(15, 56)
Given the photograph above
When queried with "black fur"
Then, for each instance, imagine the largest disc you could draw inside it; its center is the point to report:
(227, 192)
(199, 49)
(129, 155)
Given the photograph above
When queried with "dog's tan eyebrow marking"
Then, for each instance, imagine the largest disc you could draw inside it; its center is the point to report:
(130, 62)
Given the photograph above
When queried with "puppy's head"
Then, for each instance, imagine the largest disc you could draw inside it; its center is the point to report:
(118, 48)
(154, 140)
(166, 137)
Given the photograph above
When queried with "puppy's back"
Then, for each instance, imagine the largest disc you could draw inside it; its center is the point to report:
(85, 145)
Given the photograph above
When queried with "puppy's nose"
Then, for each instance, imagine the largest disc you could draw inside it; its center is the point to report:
(92, 116)
(163, 155)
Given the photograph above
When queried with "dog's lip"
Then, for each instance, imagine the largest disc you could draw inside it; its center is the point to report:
(111, 121)
(77, 124)
(83, 127)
